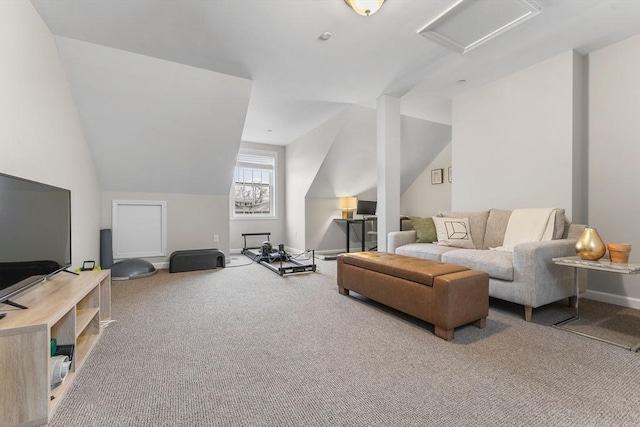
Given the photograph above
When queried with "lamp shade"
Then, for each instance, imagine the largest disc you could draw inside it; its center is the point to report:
(365, 7)
(348, 203)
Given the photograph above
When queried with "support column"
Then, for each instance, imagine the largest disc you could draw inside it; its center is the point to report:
(388, 159)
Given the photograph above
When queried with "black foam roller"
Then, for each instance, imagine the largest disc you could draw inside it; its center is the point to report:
(106, 249)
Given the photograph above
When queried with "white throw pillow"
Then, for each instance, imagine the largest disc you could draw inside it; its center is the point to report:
(454, 232)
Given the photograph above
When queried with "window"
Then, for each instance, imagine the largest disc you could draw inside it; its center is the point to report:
(253, 190)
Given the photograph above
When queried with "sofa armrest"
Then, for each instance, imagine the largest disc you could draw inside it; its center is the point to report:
(395, 239)
(548, 282)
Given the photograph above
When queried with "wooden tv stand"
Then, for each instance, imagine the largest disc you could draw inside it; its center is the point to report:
(66, 307)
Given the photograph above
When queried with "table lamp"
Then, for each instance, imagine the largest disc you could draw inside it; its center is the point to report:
(348, 205)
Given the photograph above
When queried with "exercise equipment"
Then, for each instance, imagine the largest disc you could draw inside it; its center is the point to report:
(195, 259)
(276, 260)
(134, 268)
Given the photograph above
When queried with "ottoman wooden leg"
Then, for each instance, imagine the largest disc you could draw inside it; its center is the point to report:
(445, 334)
(343, 291)
(480, 323)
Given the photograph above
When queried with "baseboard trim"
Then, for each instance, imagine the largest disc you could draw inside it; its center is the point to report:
(621, 300)
(330, 251)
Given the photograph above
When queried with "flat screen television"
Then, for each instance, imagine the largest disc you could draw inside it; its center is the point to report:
(366, 207)
(35, 233)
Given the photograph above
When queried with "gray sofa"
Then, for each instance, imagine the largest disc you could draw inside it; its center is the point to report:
(526, 276)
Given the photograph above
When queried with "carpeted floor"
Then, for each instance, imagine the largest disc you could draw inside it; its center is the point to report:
(246, 347)
(613, 323)
(610, 322)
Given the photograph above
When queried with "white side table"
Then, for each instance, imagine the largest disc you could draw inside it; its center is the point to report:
(602, 265)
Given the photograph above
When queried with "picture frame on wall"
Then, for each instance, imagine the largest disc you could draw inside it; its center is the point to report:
(437, 176)
(449, 174)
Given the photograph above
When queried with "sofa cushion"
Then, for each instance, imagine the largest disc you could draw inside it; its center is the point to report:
(477, 222)
(428, 251)
(496, 226)
(498, 264)
(558, 226)
(454, 232)
(425, 229)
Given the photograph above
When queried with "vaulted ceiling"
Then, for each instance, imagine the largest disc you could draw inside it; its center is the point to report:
(299, 80)
(189, 79)
(155, 125)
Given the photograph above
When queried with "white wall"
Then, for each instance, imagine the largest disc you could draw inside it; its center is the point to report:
(40, 132)
(514, 140)
(303, 160)
(192, 220)
(614, 160)
(350, 166)
(425, 199)
(274, 226)
(520, 141)
(322, 232)
(350, 169)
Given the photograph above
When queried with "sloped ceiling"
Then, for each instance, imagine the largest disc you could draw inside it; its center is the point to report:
(299, 78)
(422, 141)
(160, 85)
(154, 125)
(350, 167)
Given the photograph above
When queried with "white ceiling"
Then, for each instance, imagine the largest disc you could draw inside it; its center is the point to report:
(299, 81)
(154, 125)
(350, 166)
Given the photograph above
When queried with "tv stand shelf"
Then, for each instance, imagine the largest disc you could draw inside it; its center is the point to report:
(67, 308)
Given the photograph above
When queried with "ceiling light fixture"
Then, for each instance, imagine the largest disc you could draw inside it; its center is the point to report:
(365, 7)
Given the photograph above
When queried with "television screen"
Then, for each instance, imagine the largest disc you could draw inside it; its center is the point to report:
(366, 207)
(35, 233)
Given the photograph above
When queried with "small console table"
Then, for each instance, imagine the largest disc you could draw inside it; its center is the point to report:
(601, 265)
(362, 222)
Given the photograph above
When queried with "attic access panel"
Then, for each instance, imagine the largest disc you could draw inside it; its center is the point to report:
(139, 228)
(468, 24)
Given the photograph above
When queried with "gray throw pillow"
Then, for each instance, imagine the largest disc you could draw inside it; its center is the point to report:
(558, 226)
(496, 227)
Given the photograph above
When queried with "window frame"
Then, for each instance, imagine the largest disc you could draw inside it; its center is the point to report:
(272, 187)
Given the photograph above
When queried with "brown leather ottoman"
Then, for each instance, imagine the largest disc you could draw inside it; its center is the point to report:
(446, 295)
